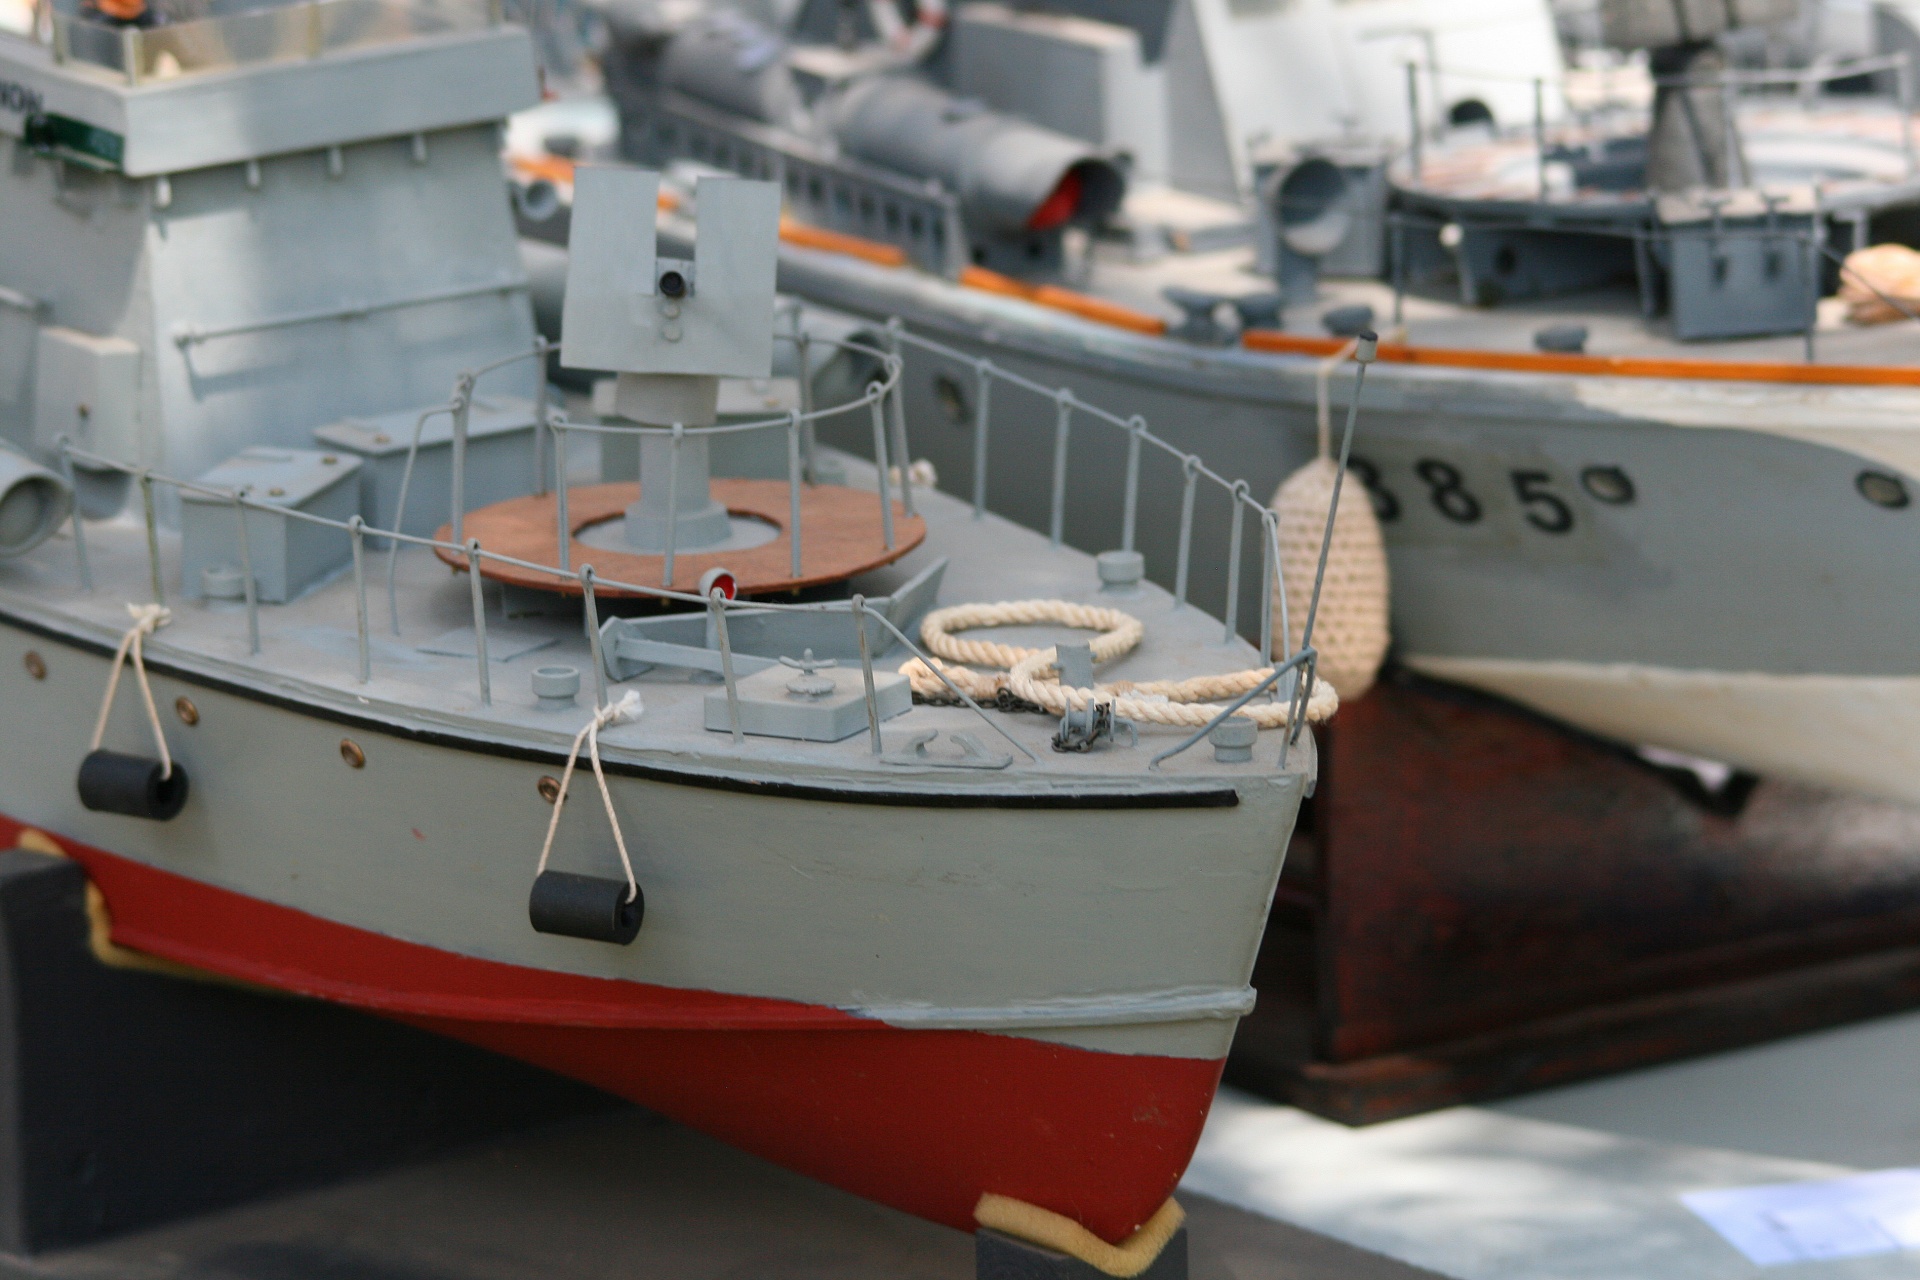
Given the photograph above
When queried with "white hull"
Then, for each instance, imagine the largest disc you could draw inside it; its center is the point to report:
(1853, 733)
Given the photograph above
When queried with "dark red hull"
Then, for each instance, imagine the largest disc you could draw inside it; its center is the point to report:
(925, 1121)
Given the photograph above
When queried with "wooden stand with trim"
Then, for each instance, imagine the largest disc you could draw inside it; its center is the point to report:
(997, 1256)
(129, 1098)
(1479, 902)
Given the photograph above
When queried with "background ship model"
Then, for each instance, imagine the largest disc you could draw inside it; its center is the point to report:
(929, 953)
(1590, 509)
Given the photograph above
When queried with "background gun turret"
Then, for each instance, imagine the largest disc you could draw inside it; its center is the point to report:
(1019, 185)
(1695, 141)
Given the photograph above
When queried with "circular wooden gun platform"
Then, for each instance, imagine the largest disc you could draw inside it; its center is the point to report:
(841, 536)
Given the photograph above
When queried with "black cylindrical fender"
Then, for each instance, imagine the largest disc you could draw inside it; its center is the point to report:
(590, 907)
(136, 786)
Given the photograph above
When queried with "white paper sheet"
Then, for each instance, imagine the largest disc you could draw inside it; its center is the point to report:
(1808, 1221)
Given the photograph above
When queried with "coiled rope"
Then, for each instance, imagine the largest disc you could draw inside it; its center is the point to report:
(625, 711)
(147, 619)
(1028, 674)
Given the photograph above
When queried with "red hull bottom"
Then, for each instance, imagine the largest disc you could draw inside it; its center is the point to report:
(924, 1121)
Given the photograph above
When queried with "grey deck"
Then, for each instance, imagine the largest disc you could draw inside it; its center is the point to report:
(309, 645)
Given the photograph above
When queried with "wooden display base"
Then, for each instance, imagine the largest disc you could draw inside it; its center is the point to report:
(1001, 1257)
(841, 535)
(1479, 902)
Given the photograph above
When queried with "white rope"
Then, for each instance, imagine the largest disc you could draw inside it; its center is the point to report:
(1323, 393)
(1121, 633)
(625, 711)
(1029, 673)
(147, 619)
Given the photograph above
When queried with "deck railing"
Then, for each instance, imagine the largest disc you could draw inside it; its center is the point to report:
(882, 401)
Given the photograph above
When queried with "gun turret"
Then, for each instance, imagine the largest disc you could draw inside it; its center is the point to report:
(1694, 142)
(1019, 185)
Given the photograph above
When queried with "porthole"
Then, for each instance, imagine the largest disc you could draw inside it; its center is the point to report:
(1883, 490)
(1610, 485)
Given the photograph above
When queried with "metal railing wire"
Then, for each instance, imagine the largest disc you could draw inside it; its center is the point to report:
(882, 399)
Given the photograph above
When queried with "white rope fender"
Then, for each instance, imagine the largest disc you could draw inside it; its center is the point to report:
(1029, 675)
(625, 711)
(147, 619)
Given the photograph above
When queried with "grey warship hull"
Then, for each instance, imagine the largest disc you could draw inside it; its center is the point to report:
(1694, 608)
(820, 981)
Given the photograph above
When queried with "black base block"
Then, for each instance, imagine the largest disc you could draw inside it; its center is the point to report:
(1001, 1257)
(129, 1099)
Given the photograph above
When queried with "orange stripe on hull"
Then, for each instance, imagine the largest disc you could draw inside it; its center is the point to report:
(1599, 366)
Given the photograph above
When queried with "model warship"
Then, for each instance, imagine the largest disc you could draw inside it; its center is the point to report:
(1610, 407)
(931, 916)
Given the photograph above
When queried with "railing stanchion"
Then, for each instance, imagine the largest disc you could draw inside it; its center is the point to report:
(803, 343)
(479, 621)
(897, 413)
(876, 394)
(540, 350)
(153, 535)
(1397, 243)
(400, 514)
(717, 604)
(866, 670)
(462, 408)
(1815, 269)
(564, 525)
(794, 474)
(673, 505)
(356, 530)
(1416, 144)
(982, 398)
(1903, 82)
(79, 525)
(1240, 492)
(1270, 563)
(247, 586)
(1540, 133)
(590, 611)
(1062, 425)
(1130, 514)
(1191, 466)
